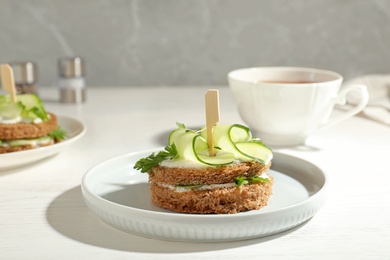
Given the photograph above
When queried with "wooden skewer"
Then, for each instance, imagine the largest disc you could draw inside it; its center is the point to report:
(212, 116)
(7, 80)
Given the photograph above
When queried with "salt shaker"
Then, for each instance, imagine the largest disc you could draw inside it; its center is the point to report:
(72, 80)
(25, 76)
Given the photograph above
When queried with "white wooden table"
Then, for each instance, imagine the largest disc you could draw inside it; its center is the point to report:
(43, 216)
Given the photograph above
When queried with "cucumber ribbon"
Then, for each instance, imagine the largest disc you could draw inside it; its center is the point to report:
(28, 106)
(232, 142)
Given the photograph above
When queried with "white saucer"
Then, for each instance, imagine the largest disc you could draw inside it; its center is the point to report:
(119, 195)
(74, 129)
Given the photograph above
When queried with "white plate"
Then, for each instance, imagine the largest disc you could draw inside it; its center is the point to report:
(74, 128)
(119, 195)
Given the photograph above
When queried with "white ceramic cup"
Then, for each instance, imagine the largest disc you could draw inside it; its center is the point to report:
(284, 105)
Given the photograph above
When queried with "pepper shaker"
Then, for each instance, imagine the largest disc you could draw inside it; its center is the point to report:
(72, 80)
(25, 76)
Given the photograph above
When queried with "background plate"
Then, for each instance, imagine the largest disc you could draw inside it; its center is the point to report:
(119, 195)
(74, 129)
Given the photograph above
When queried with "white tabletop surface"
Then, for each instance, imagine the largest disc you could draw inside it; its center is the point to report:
(43, 216)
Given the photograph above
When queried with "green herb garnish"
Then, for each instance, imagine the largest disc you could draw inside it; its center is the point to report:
(39, 112)
(257, 179)
(246, 180)
(181, 125)
(240, 181)
(146, 164)
(58, 134)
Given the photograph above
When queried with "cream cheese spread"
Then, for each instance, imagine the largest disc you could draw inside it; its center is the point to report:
(19, 119)
(7, 121)
(33, 142)
(179, 188)
(184, 163)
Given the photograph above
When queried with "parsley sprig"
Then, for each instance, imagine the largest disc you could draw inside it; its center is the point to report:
(147, 163)
(246, 180)
(58, 134)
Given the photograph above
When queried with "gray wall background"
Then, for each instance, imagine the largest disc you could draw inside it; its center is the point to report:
(179, 42)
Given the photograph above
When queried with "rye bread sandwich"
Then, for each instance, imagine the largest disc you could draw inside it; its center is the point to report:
(25, 124)
(185, 178)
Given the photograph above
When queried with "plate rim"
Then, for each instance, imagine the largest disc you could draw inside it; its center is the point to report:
(209, 227)
(47, 149)
(85, 188)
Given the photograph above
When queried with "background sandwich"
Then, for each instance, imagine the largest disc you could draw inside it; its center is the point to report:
(25, 124)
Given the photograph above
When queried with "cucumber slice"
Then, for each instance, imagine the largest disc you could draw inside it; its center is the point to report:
(255, 150)
(201, 152)
(21, 142)
(190, 145)
(220, 158)
(232, 142)
(183, 141)
(226, 137)
(223, 139)
(33, 106)
(4, 99)
(28, 106)
(174, 136)
(199, 144)
(239, 133)
(187, 146)
(29, 101)
(11, 110)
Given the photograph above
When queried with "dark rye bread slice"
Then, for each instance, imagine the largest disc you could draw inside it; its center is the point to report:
(218, 201)
(27, 130)
(208, 175)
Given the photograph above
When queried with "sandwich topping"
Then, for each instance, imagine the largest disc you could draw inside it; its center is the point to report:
(28, 109)
(189, 148)
(26, 124)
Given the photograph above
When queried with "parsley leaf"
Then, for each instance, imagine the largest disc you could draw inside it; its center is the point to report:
(240, 181)
(245, 180)
(181, 125)
(39, 113)
(58, 134)
(258, 179)
(147, 163)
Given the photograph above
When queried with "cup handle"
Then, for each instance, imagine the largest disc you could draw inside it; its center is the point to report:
(361, 91)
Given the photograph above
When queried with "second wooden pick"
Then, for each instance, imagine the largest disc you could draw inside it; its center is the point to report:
(212, 116)
(7, 80)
